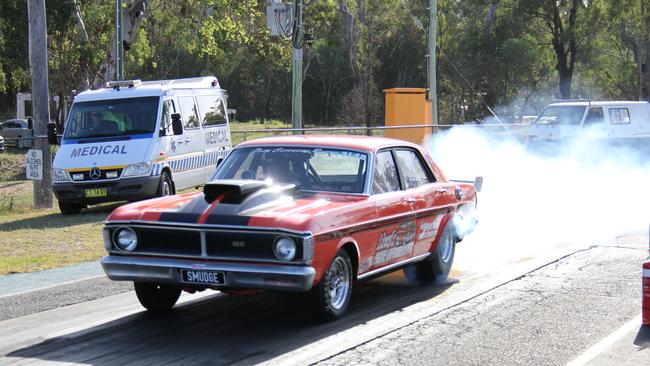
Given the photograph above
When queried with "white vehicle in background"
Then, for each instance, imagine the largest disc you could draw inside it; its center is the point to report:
(134, 140)
(620, 122)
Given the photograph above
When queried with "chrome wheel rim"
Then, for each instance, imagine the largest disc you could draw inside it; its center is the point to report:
(166, 188)
(339, 283)
(445, 248)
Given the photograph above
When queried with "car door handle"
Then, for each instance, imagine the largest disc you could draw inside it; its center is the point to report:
(441, 190)
(409, 200)
(187, 141)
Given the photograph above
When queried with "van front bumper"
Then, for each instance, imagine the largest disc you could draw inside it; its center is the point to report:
(237, 275)
(123, 189)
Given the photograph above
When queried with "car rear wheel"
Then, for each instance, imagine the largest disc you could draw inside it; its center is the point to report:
(437, 266)
(331, 297)
(155, 297)
(70, 208)
(166, 186)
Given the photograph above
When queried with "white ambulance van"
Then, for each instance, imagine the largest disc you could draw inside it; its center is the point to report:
(134, 140)
(619, 122)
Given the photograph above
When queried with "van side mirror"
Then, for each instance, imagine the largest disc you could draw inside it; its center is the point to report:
(30, 124)
(177, 125)
(51, 134)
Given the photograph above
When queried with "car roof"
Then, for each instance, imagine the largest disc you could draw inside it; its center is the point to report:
(362, 143)
(596, 103)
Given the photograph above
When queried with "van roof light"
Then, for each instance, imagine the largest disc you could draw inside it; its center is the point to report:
(123, 84)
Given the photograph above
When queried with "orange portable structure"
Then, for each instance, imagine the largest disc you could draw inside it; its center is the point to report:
(404, 107)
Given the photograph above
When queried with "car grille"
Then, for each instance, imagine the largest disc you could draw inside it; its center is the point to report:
(222, 244)
(87, 178)
(165, 241)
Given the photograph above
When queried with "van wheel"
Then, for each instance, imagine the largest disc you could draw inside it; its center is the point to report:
(155, 297)
(437, 266)
(166, 186)
(70, 208)
(331, 297)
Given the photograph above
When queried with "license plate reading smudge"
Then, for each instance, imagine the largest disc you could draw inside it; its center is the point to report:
(203, 277)
(96, 192)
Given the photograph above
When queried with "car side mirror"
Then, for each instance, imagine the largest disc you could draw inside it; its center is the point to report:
(177, 125)
(52, 138)
(30, 124)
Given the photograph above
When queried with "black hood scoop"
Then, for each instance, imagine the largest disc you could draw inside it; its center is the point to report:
(234, 190)
(245, 194)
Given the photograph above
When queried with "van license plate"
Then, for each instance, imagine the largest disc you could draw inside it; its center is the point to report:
(203, 277)
(96, 192)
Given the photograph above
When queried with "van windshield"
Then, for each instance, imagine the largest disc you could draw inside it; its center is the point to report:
(562, 115)
(113, 117)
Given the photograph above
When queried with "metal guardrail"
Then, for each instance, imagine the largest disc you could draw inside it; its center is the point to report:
(349, 129)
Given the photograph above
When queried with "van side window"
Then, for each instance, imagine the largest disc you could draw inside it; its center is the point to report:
(594, 115)
(619, 116)
(385, 178)
(166, 118)
(188, 110)
(212, 110)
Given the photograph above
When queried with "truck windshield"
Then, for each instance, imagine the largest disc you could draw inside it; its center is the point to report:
(563, 115)
(114, 117)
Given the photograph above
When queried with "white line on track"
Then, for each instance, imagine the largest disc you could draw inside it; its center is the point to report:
(605, 343)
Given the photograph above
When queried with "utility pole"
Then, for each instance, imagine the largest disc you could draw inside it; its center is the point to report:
(119, 35)
(433, 90)
(296, 67)
(40, 98)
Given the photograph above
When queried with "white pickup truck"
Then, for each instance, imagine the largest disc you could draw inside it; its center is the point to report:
(621, 122)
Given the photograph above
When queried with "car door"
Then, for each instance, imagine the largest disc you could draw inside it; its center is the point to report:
(392, 237)
(10, 131)
(430, 200)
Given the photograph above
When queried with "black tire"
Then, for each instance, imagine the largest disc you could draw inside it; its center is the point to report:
(437, 266)
(331, 297)
(70, 208)
(166, 186)
(157, 298)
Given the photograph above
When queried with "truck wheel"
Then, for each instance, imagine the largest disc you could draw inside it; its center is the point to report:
(436, 268)
(166, 186)
(331, 297)
(70, 208)
(155, 297)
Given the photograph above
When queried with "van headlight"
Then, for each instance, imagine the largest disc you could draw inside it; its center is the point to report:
(137, 169)
(125, 239)
(285, 248)
(60, 175)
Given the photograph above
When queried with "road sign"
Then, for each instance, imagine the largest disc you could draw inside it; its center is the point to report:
(34, 164)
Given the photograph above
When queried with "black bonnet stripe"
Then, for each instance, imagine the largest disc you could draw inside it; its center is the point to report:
(190, 213)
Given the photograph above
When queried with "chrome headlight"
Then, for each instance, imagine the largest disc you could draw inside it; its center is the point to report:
(285, 248)
(60, 175)
(125, 239)
(137, 169)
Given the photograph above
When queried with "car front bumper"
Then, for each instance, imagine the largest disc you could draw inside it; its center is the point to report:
(237, 275)
(123, 189)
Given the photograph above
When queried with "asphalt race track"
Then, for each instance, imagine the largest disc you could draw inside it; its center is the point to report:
(577, 304)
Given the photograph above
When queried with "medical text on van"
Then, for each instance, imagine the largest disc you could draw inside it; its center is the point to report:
(99, 150)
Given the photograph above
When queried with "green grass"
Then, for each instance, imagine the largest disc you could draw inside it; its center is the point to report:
(12, 164)
(32, 240)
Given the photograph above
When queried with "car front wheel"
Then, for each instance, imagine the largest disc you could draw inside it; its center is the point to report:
(331, 297)
(155, 297)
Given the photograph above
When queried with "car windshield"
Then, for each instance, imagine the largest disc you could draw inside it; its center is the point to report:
(310, 169)
(563, 115)
(115, 117)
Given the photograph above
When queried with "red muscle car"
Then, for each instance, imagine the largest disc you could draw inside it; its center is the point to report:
(299, 213)
(645, 307)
